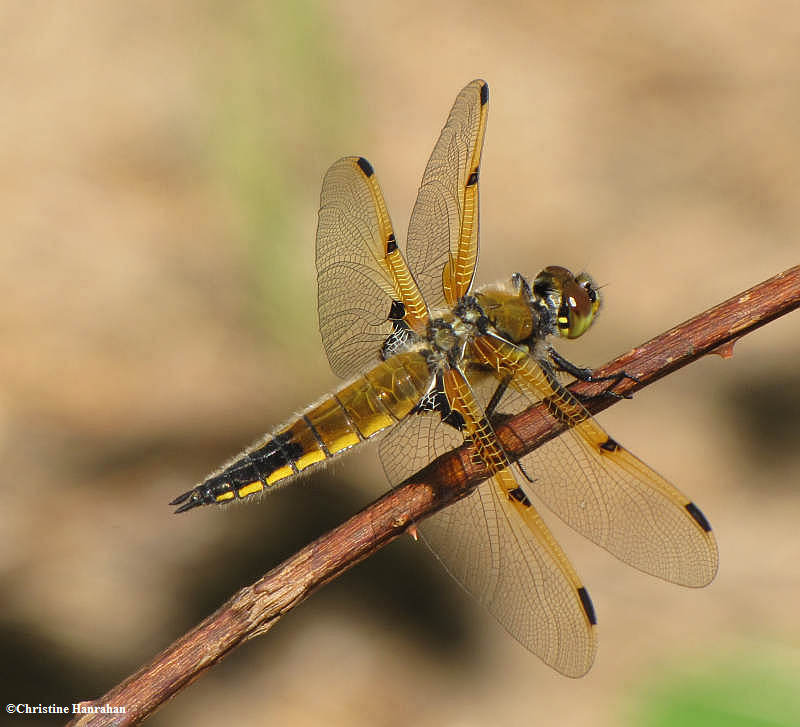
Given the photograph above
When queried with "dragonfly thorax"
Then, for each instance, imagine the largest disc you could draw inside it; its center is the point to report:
(511, 313)
(558, 303)
(449, 332)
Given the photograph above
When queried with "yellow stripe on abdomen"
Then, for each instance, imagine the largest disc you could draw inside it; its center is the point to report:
(361, 409)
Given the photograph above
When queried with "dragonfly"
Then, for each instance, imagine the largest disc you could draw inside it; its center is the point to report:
(431, 363)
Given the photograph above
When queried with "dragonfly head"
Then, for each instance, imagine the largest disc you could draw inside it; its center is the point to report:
(573, 300)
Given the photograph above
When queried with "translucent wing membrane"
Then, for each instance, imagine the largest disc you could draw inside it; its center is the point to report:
(360, 271)
(605, 493)
(442, 246)
(495, 544)
(414, 443)
(507, 566)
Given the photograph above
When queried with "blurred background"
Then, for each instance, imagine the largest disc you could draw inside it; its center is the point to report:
(160, 168)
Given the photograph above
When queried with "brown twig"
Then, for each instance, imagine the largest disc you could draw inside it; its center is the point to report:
(256, 608)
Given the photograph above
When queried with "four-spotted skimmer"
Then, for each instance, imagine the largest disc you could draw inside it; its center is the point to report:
(431, 362)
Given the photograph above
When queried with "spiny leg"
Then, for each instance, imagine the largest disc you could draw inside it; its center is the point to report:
(498, 394)
(490, 411)
(585, 374)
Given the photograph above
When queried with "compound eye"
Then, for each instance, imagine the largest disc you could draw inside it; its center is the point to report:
(579, 305)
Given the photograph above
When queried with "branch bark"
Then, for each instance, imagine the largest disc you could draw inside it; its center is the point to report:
(256, 608)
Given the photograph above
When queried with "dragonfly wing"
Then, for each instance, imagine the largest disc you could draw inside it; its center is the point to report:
(442, 246)
(365, 291)
(414, 443)
(495, 544)
(607, 494)
(514, 567)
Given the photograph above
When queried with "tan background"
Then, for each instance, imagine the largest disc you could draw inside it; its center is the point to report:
(159, 177)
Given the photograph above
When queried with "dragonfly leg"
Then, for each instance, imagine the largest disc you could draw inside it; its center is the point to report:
(585, 374)
(491, 409)
(498, 394)
(524, 473)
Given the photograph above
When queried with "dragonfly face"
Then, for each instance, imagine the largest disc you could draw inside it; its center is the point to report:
(574, 297)
(432, 363)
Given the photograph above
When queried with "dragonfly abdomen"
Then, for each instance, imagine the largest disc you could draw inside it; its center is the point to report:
(369, 405)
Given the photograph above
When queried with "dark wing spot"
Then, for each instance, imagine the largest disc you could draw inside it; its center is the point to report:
(436, 400)
(609, 445)
(365, 167)
(484, 94)
(588, 606)
(473, 178)
(391, 244)
(518, 495)
(453, 419)
(397, 311)
(695, 512)
(398, 340)
(401, 336)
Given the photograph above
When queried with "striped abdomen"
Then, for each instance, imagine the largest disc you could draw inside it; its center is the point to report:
(370, 404)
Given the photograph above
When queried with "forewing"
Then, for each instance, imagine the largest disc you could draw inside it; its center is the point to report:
(605, 493)
(442, 248)
(360, 271)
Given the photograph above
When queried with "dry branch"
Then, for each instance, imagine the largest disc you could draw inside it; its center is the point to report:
(256, 608)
